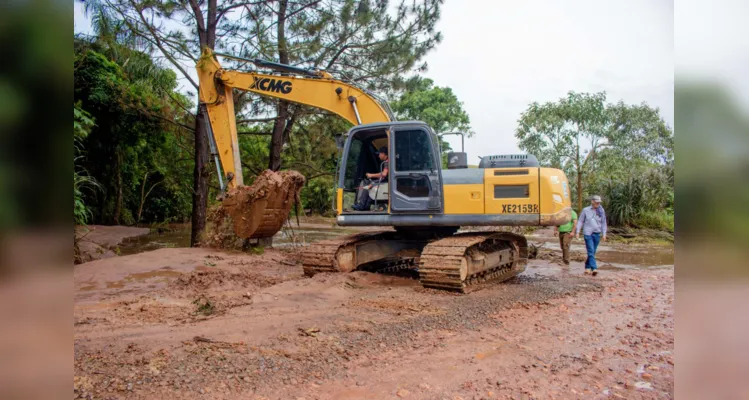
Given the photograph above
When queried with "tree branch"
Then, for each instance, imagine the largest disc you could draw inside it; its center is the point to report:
(335, 56)
(179, 103)
(251, 168)
(249, 121)
(297, 11)
(200, 21)
(157, 39)
(212, 22)
(224, 10)
(150, 114)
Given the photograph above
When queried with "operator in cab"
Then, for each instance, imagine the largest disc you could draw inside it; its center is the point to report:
(364, 201)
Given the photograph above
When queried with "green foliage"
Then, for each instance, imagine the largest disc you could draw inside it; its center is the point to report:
(594, 141)
(82, 213)
(658, 220)
(138, 150)
(311, 150)
(623, 201)
(645, 200)
(317, 195)
(372, 44)
(82, 125)
(437, 106)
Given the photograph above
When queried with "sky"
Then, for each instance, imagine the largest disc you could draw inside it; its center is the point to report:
(500, 56)
(712, 44)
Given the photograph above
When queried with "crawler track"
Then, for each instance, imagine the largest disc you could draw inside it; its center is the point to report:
(459, 262)
(406, 267)
(326, 255)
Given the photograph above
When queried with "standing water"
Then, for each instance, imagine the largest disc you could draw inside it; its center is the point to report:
(311, 229)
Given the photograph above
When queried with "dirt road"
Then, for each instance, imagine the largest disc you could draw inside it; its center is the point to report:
(195, 323)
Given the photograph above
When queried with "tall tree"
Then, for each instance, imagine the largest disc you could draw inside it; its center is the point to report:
(581, 129)
(176, 31)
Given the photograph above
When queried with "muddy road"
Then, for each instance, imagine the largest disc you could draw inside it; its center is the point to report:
(198, 323)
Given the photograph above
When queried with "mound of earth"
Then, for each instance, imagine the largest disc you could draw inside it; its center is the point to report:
(255, 211)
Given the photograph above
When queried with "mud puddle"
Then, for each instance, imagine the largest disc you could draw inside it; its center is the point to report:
(162, 275)
(310, 230)
(618, 256)
(177, 236)
(647, 257)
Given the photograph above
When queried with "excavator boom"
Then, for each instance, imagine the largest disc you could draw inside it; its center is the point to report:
(314, 89)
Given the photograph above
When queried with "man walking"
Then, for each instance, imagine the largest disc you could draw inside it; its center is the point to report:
(565, 237)
(593, 224)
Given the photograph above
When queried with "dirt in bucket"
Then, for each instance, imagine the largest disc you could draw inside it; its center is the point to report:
(255, 211)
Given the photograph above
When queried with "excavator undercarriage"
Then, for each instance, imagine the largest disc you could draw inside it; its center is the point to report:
(443, 260)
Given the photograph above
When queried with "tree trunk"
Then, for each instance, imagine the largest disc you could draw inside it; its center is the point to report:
(276, 141)
(200, 178)
(118, 199)
(142, 197)
(279, 127)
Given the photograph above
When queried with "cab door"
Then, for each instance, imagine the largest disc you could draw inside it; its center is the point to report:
(416, 171)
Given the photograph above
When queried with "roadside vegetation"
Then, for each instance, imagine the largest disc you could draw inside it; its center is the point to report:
(623, 152)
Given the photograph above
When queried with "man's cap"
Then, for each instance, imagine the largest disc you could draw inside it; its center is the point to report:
(595, 198)
(383, 149)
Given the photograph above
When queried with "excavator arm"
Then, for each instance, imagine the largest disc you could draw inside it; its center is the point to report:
(311, 88)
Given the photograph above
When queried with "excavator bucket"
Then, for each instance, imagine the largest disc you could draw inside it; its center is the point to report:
(258, 210)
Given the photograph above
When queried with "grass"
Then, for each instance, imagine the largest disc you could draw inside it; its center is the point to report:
(658, 220)
(640, 239)
(204, 306)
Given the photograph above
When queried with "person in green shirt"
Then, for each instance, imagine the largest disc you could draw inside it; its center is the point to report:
(565, 237)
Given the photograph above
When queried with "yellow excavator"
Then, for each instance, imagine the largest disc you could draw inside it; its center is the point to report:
(422, 205)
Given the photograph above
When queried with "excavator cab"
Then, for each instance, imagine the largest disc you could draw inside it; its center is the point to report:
(414, 183)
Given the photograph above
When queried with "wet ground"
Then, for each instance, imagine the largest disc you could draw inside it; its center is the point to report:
(99, 241)
(611, 255)
(198, 323)
(310, 229)
(313, 229)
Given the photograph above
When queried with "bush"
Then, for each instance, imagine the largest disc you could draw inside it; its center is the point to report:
(317, 195)
(659, 220)
(644, 200)
(623, 201)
